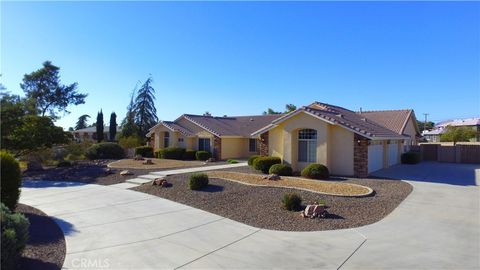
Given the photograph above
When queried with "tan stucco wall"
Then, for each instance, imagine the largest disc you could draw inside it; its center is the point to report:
(410, 131)
(340, 151)
(235, 148)
(283, 139)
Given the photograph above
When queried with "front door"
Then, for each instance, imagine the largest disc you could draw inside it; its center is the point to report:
(204, 144)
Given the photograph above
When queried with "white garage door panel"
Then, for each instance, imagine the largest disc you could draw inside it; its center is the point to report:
(375, 157)
(392, 154)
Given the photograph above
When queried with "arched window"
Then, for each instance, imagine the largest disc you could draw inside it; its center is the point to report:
(307, 145)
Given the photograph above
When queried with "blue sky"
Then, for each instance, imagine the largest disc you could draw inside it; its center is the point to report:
(238, 58)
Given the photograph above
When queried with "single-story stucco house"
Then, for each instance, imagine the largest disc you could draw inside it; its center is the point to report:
(348, 142)
(89, 134)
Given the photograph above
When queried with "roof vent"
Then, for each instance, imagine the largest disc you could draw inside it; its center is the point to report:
(251, 119)
(364, 119)
(224, 115)
(340, 115)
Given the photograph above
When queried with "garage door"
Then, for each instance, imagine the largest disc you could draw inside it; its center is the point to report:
(375, 157)
(392, 154)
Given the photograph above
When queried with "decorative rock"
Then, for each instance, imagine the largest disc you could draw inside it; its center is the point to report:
(211, 160)
(138, 157)
(108, 171)
(273, 177)
(147, 162)
(126, 172)
(162, 182)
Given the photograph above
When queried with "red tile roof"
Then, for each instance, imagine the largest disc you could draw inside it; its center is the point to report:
(395, 120)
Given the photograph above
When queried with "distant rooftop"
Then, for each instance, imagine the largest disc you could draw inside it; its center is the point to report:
(94, 129)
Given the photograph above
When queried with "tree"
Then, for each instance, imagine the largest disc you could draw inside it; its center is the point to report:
(35, 132)
(290, 108)
(113, 126)
(52, 97)
(144, 107)
(12, 110)
(457, 134)
(271, 111)
(422, 126)
(99, 126)
(82, 122)
(129, 128)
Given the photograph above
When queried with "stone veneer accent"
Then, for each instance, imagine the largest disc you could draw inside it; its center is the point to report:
(360, 156)
(264, 144)
(217, 148)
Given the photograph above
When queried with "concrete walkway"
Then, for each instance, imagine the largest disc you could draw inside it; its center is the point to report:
(436, 227)
(142, 179)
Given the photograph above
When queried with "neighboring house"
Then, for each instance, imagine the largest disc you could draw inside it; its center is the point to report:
(349, 143)
(90, 133)
(441, 127)
(402, 122)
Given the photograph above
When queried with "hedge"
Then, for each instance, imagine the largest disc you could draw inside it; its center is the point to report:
(190, 155)
(203, 155)
(198, 181)
(411, 158)
(316, 171)
(281, 169)
(264, 163)
(11, 180)
(105, 150)
(144, 151)
(14, 236)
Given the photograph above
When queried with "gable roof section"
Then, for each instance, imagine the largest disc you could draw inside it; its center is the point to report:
(241, 126)
(395, 120)
(94, 129)
(342, 117)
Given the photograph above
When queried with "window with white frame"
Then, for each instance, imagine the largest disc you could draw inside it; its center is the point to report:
(307, 145)
(252, 145)
(166, 139)
(180, 139)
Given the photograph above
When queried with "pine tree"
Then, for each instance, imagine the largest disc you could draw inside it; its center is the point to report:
(99, 126)
(129, 128)
(82, 122)
(113, 126)
(144, 108)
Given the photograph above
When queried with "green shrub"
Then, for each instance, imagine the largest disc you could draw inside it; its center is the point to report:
(232, 161)
(316, 171)
(105, 150)
(291, 201)
(198, 181)
(72, 157)
(144, 151)
(130, 142)
(14, 236)
(10, 181)
(159, 153)
(411, 158)
(251, 159)
(189, 155)
(203, 155)
(173, 153)
(264, 163)
(64, 163)
(281, 169)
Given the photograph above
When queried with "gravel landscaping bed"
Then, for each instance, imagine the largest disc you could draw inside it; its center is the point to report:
(261, 206)
(157, 164)
(90, 172)
(325, 187)
(45, 248)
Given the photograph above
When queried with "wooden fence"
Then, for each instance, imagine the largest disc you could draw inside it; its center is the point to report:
(460, 153)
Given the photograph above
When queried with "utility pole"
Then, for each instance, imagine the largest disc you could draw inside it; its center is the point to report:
(425, 123)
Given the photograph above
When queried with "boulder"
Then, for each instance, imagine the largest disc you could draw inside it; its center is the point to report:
(273, 177)
(108, 171)
(210, 160)
(138, 157)
(147, 162)
(161, 181)
(126, 172)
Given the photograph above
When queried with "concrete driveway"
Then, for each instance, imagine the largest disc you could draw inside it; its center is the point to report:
(436, 227)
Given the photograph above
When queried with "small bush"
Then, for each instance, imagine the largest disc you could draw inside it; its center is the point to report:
(159, 153)
(281, 169)
(411, 158)
(173, 153)
(264, 163)
(10, 181)
(105, 150)
(144, 151)
(64, 163)
(252, 159)
(72, 157)
(232, 161)
(14, 236)
(203, 155)
(198, 181)
(130, 142)
(291, 201)
(189, 155)
(316, 171)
